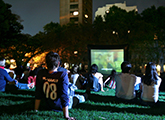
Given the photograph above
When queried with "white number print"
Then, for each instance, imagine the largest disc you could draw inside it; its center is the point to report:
(50, 90)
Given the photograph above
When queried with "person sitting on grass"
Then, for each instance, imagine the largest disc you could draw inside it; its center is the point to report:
(150, 85)
(110, 82)
(6, 82)
(52, 85)
(94, 79)
(32, 79)
(75, 78)
(125, 84)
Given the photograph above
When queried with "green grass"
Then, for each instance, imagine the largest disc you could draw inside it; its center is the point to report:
(19, 105)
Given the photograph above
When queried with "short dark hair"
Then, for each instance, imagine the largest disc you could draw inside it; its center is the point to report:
(125, 67)
(113, 72)
(52, 60)
(93, 68)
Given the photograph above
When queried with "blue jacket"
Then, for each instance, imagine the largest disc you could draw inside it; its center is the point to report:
(4, 78)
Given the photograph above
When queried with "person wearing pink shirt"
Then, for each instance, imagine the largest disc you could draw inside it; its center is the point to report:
(32, 79)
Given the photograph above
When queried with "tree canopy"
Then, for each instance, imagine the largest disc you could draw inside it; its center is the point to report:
(144, 33)
(10, 26)
(14, 44)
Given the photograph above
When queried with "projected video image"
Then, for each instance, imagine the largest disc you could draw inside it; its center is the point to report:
(107, 60)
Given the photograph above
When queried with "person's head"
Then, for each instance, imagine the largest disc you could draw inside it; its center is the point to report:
(2, 61)
(126, 67)
(113, 72)
(7, 66)
(151, 69)
(52, 60)
(32, 73)
(75, 69)
(93, 68)
(151, 75)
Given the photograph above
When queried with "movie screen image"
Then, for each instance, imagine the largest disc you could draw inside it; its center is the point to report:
(107, 60)
(107, 57)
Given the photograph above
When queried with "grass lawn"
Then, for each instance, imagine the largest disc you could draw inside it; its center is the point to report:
(19, 105)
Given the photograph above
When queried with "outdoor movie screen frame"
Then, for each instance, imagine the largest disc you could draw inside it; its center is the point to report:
(107, 57)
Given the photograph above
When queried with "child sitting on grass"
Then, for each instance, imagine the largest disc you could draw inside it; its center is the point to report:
(110, 80)
(32, 79)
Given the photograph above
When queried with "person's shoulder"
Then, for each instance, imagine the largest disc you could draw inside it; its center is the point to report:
(3, 70)
(41, 71)
(60, 69)
(62, 73)
(118, 75)
(159, 79)
(99, 74)
(133, 76)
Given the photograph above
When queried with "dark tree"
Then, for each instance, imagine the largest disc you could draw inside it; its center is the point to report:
(10, 26)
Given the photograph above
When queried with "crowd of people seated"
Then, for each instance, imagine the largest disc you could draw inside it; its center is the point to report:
(18, 78)
(57, 84)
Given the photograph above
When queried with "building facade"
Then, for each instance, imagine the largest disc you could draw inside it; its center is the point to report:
(77, 11)
(101, 10)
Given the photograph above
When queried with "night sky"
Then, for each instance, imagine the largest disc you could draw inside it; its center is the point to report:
(37, 13)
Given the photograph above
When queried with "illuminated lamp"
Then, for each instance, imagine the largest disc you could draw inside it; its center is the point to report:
(107, 11)
(75, 13)
(86, 16)
(75, 52)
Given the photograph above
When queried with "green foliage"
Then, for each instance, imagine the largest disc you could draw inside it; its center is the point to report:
(156, 17)
(13, 44)
(19, 104)
(10, 26)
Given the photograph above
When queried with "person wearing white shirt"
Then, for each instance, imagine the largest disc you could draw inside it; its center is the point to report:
(99, 76)
(125, 83)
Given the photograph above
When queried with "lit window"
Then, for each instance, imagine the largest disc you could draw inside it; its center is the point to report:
(75, 13)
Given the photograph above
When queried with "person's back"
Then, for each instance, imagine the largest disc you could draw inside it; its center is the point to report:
(150, 93)
(55, 87)
(125, 83)
(74, 76)
(93, 82)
